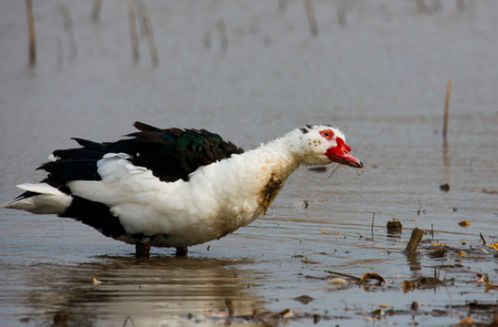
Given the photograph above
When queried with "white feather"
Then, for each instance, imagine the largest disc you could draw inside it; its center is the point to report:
(49, 201)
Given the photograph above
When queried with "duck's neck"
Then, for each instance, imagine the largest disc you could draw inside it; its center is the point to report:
(248, 183)
(276, 163)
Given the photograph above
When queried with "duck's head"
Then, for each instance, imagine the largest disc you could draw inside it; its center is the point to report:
(321, 145)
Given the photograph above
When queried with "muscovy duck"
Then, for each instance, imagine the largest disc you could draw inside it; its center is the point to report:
(175, 187)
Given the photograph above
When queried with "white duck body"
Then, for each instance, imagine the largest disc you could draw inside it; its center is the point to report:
(217, 200)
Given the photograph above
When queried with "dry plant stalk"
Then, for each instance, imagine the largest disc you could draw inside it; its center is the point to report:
(222, 29)
(310, 12)
(31, 32)
(68, 27)
(97, 6)
(415, 239)
(446, 112)
(132, 18)
(147, 25)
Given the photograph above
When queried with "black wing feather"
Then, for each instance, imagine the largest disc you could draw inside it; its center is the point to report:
(170, 154)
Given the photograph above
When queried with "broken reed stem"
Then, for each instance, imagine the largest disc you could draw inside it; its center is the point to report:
(483, 240)
(97, 6)
(310, 12)
(68, 26)
(147, 25)
(343, 275)
(132, 17)
(446, 112)
(415, 239)
(333, 171)
(282, 5)
(222, 29)
(342, 10)
(421, 6)
(372, 226)
(31, 32)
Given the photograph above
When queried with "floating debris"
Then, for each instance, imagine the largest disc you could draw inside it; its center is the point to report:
(467, 321)
(484, 279)
(438, 253)
(421, 283)
(286, 314)
(338, 281)
(372, 276)
(95, 281)
(310, 262)
(444, 187)
(304, 299)
(394, 226)
(465, 223)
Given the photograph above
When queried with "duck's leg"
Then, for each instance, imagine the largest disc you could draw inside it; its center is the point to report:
(142, 249)
(181, 251)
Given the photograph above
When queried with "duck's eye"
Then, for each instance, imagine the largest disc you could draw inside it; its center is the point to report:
(327, 134)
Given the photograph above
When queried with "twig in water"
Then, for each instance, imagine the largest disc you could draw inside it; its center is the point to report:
(446, 112)
(333, 171)
(373, 220)
(310, 12)
(342, 10)
(282, 5)
(460, 4)
(97, 6)
(414, 241)
(60, 54)
(207, 39)
(31, 32)
(132, 18)
(222, 29)
(147, 25)
(68, 26)
(437, 5)
(343, 275)
(483, 240)
(421, 6)
(125, 322)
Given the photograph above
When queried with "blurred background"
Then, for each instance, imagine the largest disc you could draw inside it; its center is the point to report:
(252, 71)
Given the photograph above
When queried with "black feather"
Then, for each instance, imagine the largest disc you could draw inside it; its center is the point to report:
(96, 215)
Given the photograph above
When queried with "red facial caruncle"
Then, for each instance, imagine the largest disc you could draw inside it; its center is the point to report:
(340, 153)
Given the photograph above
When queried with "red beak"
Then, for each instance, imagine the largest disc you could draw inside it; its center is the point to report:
(341, 154)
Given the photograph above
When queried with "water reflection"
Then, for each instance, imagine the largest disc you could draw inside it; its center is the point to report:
(413, 263)
(446, 163)
(141, 293)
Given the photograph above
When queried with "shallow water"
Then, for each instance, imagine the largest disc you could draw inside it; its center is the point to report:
(380, 75)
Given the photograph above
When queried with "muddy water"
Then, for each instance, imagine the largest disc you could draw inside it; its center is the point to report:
(379, 72)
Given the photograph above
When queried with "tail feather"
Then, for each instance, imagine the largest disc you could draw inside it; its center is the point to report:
(42, 199)
(8, 203)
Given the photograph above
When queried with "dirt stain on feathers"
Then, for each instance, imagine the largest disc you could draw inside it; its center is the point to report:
(269, 192)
